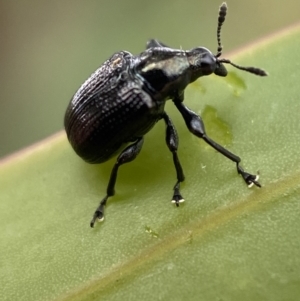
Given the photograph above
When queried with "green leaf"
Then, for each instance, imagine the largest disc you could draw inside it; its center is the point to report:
(227, 242)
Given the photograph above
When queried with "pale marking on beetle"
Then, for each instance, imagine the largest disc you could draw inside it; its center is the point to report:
(170, 67)
(115, 62)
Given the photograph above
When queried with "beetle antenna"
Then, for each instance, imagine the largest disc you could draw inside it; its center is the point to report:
(252, 70)
(221, 19)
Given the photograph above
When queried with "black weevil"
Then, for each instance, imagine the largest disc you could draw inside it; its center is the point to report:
(123, 99)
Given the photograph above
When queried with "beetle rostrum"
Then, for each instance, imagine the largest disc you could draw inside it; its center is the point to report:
(123, 99)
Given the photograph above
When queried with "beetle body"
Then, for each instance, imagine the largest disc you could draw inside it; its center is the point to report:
(99, 118)
(123, 99)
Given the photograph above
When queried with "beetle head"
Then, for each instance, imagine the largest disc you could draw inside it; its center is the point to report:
(203, 62)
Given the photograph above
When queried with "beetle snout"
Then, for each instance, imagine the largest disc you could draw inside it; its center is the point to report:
(220, 69)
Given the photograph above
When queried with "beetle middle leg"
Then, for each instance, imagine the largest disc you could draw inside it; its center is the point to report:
(196, 127)
(172, 143)
(126, 156)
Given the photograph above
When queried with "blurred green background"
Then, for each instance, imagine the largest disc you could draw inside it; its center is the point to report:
(48, 48)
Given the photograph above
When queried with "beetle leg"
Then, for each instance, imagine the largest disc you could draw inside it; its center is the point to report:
(196, 127)
(172, 143)
(155, 43)
(127, 155)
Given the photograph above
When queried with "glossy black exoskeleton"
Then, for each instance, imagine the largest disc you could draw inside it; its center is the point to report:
(123, 99)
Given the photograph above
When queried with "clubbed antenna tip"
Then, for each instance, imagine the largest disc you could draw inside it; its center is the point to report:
(221, 20)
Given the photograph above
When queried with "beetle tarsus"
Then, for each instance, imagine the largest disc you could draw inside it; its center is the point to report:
(177, 197)
(248, 178)
(99, 213)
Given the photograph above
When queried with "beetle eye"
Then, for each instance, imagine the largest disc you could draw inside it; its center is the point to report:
(205, 68)
(204, 65)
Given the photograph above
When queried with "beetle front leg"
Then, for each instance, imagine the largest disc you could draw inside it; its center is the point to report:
(127, 155)
(172, 143)
(196, 127)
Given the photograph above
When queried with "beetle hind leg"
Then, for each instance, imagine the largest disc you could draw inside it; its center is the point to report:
(126, 156)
